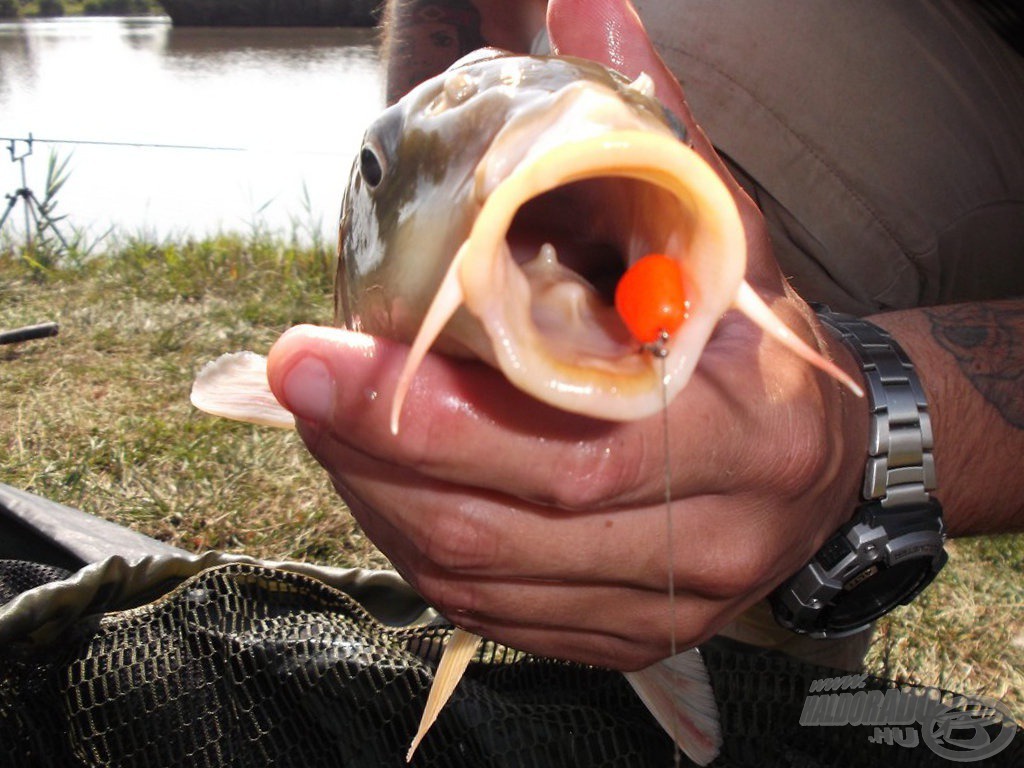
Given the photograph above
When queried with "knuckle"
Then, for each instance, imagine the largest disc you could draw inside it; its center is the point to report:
(461, 541)
(743, 578)
(749, 562)
(632, 658)
(451, 597)
(593, 476)
(803, 465)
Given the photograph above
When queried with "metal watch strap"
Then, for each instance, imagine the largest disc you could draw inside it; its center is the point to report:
(900, 469)
(892, 547)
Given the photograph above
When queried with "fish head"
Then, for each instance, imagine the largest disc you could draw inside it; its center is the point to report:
(409, 203)
(492, 211)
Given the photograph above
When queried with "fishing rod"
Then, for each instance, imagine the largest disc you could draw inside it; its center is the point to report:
(158, 145)
(29, 333)
(35, 212)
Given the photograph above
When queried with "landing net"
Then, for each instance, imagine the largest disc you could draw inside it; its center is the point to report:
(243, 664)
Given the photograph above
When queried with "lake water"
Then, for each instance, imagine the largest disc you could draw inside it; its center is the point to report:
(279, 111)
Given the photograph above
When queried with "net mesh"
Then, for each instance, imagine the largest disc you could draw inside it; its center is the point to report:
(17, 577)
(244, 665)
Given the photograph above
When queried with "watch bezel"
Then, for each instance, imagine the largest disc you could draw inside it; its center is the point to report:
(876, 543)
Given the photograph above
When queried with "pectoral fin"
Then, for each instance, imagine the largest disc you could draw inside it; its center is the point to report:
(458, 652)
(678, 693)
(235, 386)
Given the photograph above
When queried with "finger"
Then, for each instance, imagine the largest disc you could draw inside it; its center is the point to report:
(457, 412)
(464, 423)
(435, 528)
(616, 628)
(605, 624)
(424, 524)
(607, 609)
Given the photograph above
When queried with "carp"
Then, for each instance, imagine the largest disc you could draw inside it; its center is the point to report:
(491, 214)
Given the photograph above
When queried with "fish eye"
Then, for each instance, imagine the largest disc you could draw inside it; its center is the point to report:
(370, 167)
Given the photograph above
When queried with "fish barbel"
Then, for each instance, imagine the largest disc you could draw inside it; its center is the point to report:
(490, 214)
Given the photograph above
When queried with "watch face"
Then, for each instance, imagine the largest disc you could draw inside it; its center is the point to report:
(877, 561)
(876, 591)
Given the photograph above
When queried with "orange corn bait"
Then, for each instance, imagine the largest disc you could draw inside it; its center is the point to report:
(651, 299)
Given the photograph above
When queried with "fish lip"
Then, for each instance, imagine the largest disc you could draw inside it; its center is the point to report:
(498, 292)
(483, 301)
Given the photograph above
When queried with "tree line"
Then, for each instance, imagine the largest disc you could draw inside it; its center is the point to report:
(16, 9)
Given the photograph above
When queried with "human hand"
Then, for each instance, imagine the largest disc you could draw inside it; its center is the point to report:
(547, 531)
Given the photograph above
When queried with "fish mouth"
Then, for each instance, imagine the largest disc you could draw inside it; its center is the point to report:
(573, 244)
(547, 248)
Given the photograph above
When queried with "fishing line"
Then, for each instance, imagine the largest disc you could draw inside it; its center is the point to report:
(154, 145)
(660, 352)
(651, 301)
(668, 502)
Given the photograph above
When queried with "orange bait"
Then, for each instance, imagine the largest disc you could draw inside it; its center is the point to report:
(650, 298)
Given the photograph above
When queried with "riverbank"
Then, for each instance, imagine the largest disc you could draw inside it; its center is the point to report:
(272, 13)
(31, 9)
(209, 13)
(99, 418)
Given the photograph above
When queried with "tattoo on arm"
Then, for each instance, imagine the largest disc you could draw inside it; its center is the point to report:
(988, 343)
(423, 37)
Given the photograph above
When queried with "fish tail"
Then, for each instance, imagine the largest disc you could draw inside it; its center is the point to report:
(677, 691)
(458, 652)
(750, 304)
(449, 297)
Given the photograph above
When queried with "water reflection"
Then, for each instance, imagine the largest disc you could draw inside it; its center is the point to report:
(283, 43)
(294, 102)
(15, 58)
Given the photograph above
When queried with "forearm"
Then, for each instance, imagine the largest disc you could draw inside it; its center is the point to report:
(970, 358)
(424, 37)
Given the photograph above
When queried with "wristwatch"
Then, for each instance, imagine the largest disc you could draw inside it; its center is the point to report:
(893, 546)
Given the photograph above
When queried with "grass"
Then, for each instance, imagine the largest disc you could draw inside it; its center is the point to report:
(99, 418)
(965, 633)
